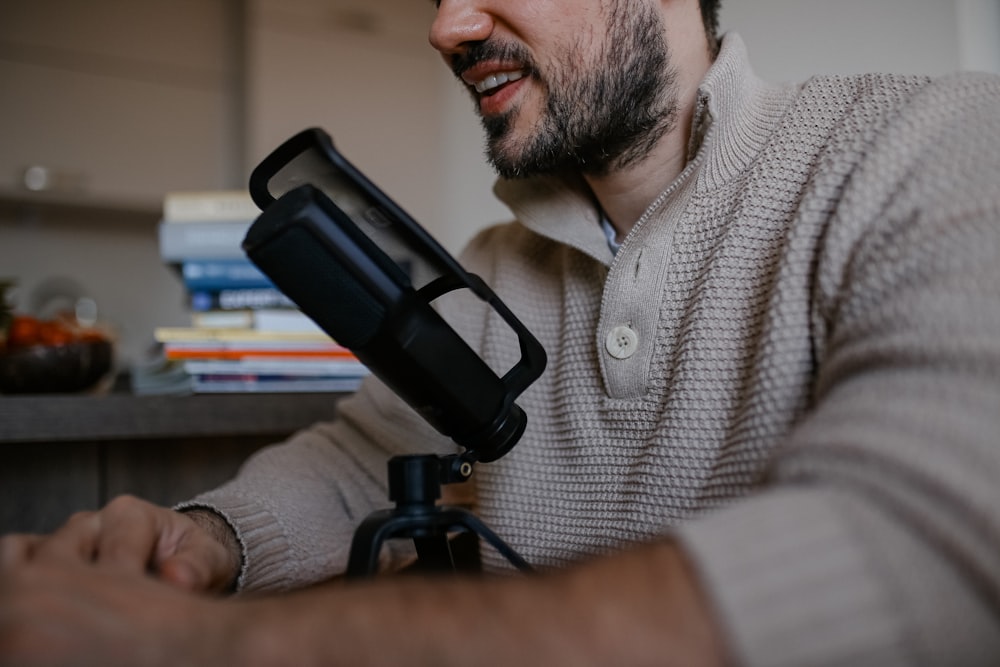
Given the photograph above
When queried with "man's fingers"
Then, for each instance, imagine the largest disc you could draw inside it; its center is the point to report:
(130, 533)
(203, 553)
(184, 573)
(138, 537)
(196, 561)
(76, 539)
(16, 549)
(132, 536)
(122, 536)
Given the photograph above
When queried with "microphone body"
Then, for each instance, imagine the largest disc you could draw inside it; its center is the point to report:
(361, 297)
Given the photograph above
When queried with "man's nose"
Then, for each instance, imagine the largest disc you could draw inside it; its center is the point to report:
(459, 22)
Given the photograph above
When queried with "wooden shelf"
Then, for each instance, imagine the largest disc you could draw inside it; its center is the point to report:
(62, 418)
(23, 205)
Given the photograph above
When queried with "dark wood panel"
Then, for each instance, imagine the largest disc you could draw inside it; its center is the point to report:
(169, 471)
(62, 454)
(41, 485)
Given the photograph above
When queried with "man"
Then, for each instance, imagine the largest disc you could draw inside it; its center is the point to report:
(768, 429)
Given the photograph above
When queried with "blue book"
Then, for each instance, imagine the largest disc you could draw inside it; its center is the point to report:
(249, 298)
(213, 275)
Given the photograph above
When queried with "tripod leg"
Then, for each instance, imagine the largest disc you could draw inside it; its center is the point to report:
(458, 517)
(505, 549)
(429, 532)
(433, 554)
(464, 547)
(367, 543)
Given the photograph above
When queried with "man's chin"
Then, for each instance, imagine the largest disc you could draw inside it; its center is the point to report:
(501, 148)
(508, 163)
(505, 168)
(514, 156)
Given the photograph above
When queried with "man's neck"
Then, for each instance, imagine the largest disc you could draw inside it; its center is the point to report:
(625, 194)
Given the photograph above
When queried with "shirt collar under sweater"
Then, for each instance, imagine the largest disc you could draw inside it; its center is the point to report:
(735, 114)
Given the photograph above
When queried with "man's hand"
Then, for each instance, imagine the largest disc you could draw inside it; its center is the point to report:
(194, 550)
(60, 611)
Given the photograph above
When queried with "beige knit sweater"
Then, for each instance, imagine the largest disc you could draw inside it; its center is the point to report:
(810, 399)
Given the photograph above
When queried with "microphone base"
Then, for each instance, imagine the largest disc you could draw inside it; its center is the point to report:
(415, 486)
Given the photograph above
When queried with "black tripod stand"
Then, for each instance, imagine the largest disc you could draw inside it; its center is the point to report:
(415, 486)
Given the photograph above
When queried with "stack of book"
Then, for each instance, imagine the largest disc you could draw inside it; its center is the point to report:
(245, 360)
(201, 235)
(245, 335)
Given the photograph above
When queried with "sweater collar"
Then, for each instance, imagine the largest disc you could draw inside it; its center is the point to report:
(735, 114)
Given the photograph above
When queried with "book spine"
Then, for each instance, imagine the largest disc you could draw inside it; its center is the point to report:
(207, 275)
(176, 352)
(284, 320)
(287, 367)
(239, 299)
(222, 319)
(203, 205)
(251, 384)
(180, 241)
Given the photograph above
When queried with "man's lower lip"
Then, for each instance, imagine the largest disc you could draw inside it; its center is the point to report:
(497, 103)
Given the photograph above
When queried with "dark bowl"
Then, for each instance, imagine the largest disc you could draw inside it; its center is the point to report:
(55, 369)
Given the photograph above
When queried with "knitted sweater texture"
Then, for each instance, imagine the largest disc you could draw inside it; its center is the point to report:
(808, 400)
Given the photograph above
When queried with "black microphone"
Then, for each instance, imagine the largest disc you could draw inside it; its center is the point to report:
(319, 256)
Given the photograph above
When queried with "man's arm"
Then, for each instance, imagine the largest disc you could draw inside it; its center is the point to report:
(635, 608)
(875, 539)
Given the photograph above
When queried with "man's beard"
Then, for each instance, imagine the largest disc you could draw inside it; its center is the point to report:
(594, 121)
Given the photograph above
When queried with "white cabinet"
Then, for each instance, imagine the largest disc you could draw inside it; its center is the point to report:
(115, 102)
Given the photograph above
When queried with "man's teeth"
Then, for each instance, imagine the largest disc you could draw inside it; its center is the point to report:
(497, 80)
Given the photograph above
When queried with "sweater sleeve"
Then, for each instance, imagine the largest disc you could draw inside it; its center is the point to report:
(876, 540)
(294, 505)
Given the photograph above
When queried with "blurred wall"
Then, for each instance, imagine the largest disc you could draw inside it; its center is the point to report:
(789, 40)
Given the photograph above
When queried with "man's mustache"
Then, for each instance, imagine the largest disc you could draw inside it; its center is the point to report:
(492, 49)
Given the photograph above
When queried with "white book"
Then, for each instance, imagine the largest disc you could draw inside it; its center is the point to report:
(222, 319)
(264, 366)
(208, 205)
(284, 320)
(300, 385)
(202, 239)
